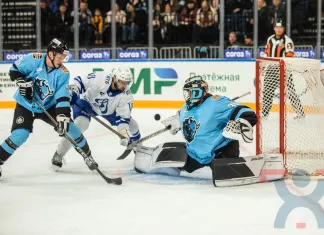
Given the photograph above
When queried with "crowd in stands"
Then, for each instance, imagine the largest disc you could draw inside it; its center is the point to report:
(174, 21)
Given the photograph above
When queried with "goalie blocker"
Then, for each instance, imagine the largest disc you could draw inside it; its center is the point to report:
(170, 158)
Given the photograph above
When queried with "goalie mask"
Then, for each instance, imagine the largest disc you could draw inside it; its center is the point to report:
(194, 90)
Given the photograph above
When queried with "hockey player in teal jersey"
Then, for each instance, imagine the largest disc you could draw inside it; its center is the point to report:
(44, 77)
(212, 127)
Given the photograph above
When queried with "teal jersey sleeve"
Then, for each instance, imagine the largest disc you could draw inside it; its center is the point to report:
(26, 65)
(62, 95)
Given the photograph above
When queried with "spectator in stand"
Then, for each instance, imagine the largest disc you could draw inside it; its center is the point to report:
(175, 5)
(206, 27)
(68, 4)
(47, 20)
(248, 40)
(187, 21)
(141, 18)
(97, 22)
(85, 26)
(232, 41)
(122, 4)
(139, 5)
(63, 22)
(214, 6)
(169, 25)
(53, 5)
(263, 24)
(276, 11)
(120, 18)
(130, 28)
(157, 17)
(233, 14)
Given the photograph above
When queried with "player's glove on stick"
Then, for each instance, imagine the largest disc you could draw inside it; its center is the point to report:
(63, 123)
(26, 88)
(126, 133)
(174, 122)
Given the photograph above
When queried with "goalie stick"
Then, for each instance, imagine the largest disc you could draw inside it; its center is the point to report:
(117, 181)
(131, 146)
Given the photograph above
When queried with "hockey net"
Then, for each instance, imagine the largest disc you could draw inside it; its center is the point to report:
(290, 107)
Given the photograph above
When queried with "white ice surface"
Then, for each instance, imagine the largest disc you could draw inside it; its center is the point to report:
(34, 200)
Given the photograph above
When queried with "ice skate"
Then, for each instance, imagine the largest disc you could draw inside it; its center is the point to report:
(57, 161)
(91, 162)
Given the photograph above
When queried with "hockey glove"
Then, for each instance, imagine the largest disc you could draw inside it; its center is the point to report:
(26, 88)
(240, 130)
(81, 103)
(127, 140)
(63, 123)
(174, 122)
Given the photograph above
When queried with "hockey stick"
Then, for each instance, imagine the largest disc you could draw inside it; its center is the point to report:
(102, 123)
(131, 146)
(240, 96)
(117, 181)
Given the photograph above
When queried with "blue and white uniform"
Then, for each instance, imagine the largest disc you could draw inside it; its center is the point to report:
(93, 93)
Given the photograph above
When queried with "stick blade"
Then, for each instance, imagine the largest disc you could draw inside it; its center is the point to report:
(125, 154)
(116, 181)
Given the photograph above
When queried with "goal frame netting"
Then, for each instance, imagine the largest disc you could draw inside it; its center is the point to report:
(283, 109)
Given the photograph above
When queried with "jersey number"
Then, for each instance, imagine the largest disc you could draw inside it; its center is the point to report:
(91, 75)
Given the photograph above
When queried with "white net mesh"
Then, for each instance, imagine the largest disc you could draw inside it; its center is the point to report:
(303, 122)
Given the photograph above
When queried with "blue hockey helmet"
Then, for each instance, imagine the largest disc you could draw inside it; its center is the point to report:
(194, 90)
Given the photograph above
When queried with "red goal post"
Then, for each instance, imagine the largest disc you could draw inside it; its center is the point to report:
(290, 107)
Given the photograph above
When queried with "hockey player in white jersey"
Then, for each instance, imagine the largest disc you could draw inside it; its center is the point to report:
(106, 95)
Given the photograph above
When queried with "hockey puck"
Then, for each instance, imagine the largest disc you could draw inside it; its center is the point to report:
(157, 117)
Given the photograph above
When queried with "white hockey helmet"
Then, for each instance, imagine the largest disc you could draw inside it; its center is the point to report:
(123, 75)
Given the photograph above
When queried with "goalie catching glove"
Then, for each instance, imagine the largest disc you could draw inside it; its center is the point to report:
(173, 122)
(240, 130)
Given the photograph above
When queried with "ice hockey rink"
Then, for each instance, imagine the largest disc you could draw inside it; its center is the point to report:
(34, 200)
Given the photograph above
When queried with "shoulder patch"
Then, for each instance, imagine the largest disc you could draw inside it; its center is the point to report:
(64, 69)
(37, 55)
(289, 46)
(215, 97)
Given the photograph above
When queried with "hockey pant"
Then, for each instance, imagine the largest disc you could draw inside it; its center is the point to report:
(23, 125)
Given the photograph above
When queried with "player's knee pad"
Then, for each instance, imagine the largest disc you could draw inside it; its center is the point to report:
(15, 140)
(166, 158)
(82, 123)
(76, 135)
(134, 129)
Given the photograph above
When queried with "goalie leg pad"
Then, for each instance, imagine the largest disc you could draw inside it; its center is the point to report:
(166, 158)
(247, 170)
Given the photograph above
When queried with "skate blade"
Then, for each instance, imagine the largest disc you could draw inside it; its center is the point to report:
(55, 168)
